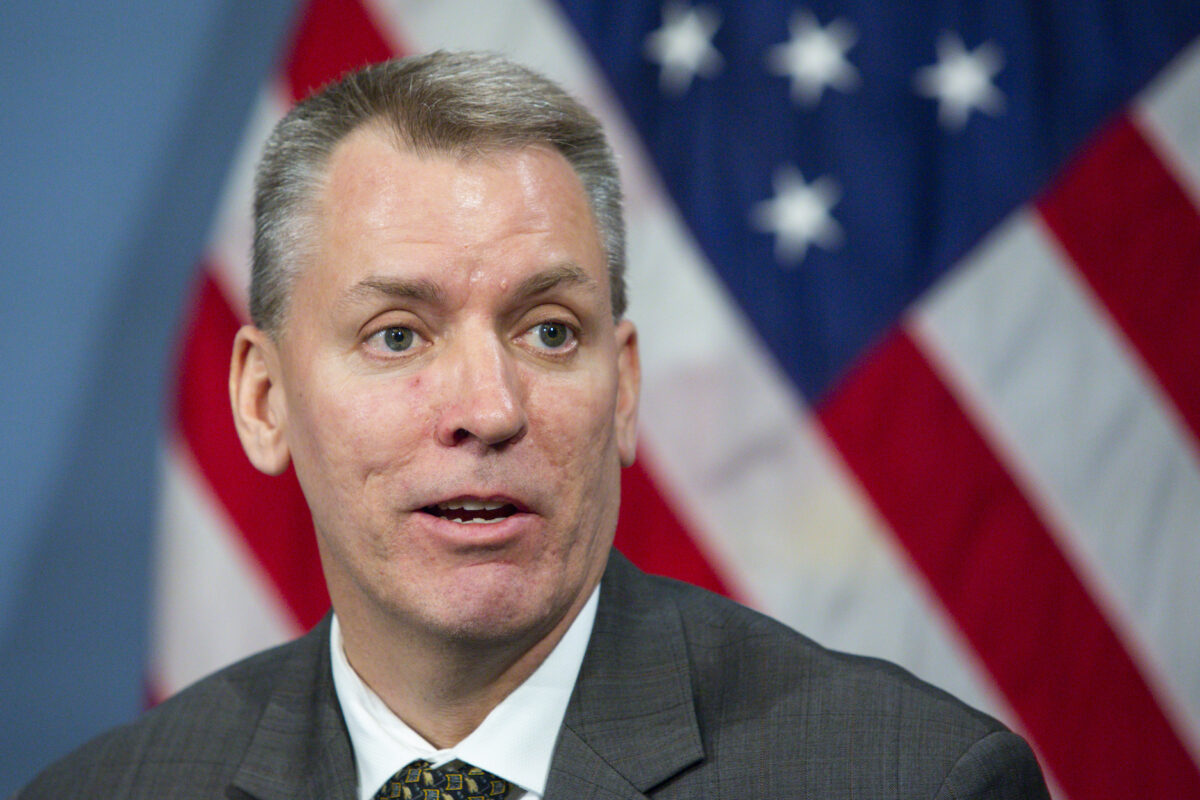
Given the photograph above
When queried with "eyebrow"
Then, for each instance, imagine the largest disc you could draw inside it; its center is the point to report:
(568, 274)
(420, 289)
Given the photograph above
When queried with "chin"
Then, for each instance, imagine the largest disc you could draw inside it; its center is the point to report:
(505, 613)
(492, 628)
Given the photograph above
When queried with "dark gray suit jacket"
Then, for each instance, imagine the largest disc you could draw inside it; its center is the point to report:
(681, 695)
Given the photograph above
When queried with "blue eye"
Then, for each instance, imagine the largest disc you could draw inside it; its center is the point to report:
(398, 339)
(553, 334)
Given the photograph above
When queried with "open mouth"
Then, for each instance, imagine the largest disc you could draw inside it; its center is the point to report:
(472, 512)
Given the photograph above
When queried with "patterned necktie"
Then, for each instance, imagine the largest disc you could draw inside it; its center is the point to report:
(419, 781)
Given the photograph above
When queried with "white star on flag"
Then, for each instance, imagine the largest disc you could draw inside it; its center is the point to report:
(815, 57)
(961, 81)
(683, 46)
(799, 214)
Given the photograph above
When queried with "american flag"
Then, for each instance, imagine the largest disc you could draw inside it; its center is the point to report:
(918, 292)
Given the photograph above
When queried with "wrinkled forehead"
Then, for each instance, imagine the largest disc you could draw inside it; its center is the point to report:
(373, 186)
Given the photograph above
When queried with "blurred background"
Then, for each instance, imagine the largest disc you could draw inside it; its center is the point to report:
(918, 292)
(120, 120)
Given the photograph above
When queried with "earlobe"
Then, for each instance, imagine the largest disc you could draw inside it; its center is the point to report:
(629, 384)
(259, 408)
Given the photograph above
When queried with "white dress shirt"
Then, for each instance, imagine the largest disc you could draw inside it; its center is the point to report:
(515, 741)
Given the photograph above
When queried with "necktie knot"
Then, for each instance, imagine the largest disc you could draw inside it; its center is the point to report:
(420, 781)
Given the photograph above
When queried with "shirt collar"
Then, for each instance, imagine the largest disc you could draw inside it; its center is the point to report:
(515, 741)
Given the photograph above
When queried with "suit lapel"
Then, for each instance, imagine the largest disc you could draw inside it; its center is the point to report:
(631, 723)
(300, 747)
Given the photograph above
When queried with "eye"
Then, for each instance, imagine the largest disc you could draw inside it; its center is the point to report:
(553, 335)
(397, 338)
(551, 338)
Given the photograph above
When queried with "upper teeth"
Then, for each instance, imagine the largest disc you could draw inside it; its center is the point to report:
(470, 505)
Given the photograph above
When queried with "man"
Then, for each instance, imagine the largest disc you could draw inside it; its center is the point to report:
(439, 349)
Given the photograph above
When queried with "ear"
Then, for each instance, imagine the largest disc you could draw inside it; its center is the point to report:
(259, 405)
(629, 386)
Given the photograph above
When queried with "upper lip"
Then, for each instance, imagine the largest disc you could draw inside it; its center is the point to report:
(474, 502)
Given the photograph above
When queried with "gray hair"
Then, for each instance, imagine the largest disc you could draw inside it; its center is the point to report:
(457, 103)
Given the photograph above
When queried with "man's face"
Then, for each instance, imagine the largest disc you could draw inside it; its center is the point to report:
(453, 390)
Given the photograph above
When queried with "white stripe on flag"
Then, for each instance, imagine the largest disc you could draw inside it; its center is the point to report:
(232, 234)
(1168, 113)
(1095, 447)
(213, 604)
(733, 443)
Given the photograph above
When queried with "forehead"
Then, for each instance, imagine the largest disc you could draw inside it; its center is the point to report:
(375, 187)
(459, 228)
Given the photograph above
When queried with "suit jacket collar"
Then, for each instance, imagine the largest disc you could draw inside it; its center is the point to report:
(631, 723)
(300, 747)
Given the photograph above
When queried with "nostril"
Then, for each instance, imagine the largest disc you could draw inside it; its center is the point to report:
(497, 441)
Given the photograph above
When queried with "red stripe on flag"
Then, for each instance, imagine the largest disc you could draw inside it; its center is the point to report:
(334, 37)
(997, 569)
(651, 535)
(270, 513)
(1135, 237)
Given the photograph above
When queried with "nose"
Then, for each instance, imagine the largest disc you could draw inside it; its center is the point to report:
(483, 394)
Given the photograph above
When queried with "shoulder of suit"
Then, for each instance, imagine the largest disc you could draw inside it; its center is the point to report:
(761, 687)
(770, 668)
(203, 723)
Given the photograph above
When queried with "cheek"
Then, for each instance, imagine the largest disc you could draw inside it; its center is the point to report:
(361, 427)
(573, 423)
